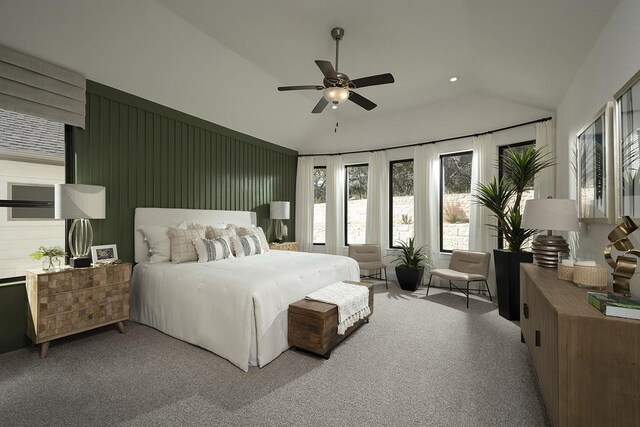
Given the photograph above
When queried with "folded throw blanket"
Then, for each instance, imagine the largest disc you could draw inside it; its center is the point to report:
(352, 302)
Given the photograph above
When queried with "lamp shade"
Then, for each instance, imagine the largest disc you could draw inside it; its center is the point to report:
(279, 210)
(79, 201)
(336, 94)
(551, 214)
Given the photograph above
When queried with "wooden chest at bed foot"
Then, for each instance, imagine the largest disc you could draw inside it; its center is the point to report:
(313, 325)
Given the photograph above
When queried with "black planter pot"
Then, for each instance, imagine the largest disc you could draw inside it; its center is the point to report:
(409, 278)
(507, 265)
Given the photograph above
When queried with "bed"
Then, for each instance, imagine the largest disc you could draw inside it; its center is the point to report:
(235, 308)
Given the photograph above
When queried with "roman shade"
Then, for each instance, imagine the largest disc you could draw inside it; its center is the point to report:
(32, 86)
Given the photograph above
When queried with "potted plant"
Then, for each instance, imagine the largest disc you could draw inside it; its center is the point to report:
(410, 264)
(503, 198)
(50, 255)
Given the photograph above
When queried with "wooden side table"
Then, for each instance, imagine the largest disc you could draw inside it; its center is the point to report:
(74, 300)
(286, 246)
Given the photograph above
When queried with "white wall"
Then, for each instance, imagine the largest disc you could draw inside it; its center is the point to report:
(613, 60)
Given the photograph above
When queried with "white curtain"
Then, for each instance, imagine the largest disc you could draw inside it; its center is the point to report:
(378, 200)
(545, 183)
(304, 203)
(482, 171)
(426, 175)
(335, 205)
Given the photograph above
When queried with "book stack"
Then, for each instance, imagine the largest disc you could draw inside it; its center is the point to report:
(615, 305)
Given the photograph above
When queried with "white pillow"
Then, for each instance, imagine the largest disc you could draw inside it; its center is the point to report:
(213, 250)
(246, 245)
(246, 231)
(158, 241)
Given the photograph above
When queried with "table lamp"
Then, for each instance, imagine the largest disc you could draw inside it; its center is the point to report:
(279, 211)
(550, 214)
(80, 203)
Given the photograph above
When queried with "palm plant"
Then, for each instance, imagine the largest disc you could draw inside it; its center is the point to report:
(411, 257)
(519, 167)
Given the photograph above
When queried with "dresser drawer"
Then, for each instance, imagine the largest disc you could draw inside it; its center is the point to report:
(65, 281)
(62, 302)
(83, 319)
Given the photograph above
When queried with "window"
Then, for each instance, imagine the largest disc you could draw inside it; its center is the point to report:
(528, 194)
(319, 205)
(32, 153)
(400, 202)
(356, 203)
(455, 200)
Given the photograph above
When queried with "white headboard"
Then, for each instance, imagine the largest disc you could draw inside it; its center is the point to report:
(171, 217)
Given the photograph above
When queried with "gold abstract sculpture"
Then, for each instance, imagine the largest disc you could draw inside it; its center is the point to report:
(625, 265)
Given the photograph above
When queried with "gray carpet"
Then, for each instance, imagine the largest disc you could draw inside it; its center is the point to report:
(420, 361)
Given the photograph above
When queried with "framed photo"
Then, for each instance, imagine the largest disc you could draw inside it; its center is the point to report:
(627, 140)
(594, 155)
(104, 253)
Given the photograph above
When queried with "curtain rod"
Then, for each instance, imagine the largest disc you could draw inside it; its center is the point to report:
(546, 119)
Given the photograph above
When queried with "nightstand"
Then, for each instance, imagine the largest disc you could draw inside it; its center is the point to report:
(286, 246)
(74, 300)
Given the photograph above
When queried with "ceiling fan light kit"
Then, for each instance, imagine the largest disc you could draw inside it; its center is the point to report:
(337, 87)
(337, 95)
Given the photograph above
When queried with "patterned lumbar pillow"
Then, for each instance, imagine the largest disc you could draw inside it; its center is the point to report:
(212, 250)
(246, 231)
(182, 249)
(247, 245)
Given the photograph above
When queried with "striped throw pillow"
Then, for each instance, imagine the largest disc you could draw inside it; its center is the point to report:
(246, 231)
(247, 245)
(212, 250)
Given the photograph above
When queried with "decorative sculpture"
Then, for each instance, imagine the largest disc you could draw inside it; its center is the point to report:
(625, 265)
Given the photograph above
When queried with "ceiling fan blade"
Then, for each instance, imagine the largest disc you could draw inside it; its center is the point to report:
(361, 101)
(327, 69)
(308, 87)
(320, 106)
(380, 79)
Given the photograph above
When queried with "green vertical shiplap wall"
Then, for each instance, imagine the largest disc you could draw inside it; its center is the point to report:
(148, 155)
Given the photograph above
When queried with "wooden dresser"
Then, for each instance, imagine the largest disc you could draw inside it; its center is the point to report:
(286, 246)
(71, 300)
(587, 364)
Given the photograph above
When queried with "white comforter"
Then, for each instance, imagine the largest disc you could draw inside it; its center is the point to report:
(236, 308)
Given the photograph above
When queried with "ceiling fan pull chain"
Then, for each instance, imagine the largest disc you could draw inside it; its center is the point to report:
(335, 130)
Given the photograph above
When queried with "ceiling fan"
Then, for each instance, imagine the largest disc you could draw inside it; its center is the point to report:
(337, 86)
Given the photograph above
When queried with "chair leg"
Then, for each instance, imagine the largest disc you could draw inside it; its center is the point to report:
(450, 286)
(429, 284)
(488, 291)
(386, 282)
(467, 294)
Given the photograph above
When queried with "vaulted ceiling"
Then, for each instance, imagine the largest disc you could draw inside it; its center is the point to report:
(222, 60)
(520, 51)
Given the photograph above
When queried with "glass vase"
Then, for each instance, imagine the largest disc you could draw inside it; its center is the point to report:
(51, 263)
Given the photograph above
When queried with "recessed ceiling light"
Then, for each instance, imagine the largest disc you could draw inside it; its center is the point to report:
(454, 78)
